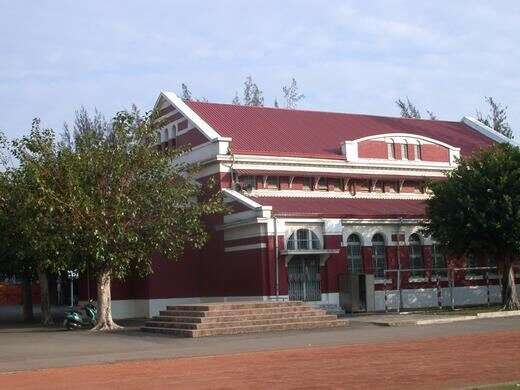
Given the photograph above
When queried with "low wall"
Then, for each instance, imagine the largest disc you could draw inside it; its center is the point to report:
(427, 297)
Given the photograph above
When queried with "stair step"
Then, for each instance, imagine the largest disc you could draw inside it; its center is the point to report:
(247, 329)
(234, 305)
(241, 317)
(245, 317)
(221, 313)
(239, 323)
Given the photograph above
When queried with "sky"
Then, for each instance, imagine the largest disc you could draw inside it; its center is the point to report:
(347, 56)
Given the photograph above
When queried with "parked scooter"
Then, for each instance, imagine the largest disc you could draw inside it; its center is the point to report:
(75, 320)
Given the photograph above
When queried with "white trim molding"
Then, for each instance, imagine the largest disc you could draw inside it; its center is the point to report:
(178, 103)
(239, 248)
(486, 130)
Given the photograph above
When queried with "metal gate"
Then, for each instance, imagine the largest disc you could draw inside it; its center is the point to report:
(304, 279)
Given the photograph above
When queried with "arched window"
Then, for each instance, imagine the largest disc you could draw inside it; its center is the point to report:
(391, 150)
(303, 239)
(355, 262)
(416, 257)
(405, 151)
(418, 151)
(438, 261)
(379, 255)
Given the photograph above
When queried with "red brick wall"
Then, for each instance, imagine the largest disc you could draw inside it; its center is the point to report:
(435, 153)
(193, 137)
(11, 294)
(373, 149)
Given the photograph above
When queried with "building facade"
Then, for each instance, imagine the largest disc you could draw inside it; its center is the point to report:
(316, 199)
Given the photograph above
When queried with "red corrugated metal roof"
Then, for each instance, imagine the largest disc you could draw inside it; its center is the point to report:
(275, 131)
(344, 207)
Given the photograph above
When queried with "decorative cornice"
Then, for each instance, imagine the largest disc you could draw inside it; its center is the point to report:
(335, 195)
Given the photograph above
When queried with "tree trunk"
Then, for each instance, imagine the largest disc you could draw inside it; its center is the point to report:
(27, 303)
(104, 303)
(509, 294)
(45, 300)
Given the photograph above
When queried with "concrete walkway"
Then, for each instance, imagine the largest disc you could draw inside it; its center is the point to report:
(407, 319)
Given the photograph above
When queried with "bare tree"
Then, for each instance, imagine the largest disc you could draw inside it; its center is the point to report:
(236, 100)
(253, 96)
(186, 93)
(496, 118)
(292, 95)
(432, 116)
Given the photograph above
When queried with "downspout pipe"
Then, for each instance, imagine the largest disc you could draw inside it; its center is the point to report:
(276, 255)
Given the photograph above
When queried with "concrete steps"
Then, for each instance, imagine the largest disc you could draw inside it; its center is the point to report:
(236, 318)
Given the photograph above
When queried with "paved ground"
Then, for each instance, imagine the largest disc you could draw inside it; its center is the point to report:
(362, 356)
(455, 361)
(23, 349)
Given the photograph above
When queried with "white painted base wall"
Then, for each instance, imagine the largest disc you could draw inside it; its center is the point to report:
(427, 297)
(412, 299)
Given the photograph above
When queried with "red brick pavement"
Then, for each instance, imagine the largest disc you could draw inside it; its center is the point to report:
(433, 363)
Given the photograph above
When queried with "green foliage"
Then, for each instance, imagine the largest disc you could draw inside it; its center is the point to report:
(496, 118)
(477, 210)
(35, 233)
(409, 110)
(118, 198)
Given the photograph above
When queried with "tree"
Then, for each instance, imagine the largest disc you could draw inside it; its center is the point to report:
(496, 118)
(44, 240)
(125, 200)
(186, 93)
(18, 260)
(236, 100)
(409, 110)
(477, 211)
(253, 96)
(432, 116)
(276, 103)
(292, 95)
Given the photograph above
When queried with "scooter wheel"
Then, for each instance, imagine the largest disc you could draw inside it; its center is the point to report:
(70, 326)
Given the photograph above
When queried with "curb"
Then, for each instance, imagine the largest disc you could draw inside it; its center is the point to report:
(445, 320)
(499, 314)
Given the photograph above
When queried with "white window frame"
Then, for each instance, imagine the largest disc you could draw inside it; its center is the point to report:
(379, 257)
(415, 255)
(355, 261)
(309, 240)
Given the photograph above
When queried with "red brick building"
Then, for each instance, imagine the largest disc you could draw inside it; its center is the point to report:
(314, 196)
